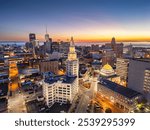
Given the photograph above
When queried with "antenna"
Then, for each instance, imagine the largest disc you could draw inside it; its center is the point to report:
(46, 29)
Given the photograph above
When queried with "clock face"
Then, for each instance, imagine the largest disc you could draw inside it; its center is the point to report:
(72, 56)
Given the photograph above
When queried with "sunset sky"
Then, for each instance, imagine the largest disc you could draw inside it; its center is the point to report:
(86, 20)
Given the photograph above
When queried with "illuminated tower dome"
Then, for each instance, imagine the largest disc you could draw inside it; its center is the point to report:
(72, 61)
(107, 70)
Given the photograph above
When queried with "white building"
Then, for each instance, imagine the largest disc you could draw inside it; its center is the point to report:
(72, 61)
(59, 89)
(62, 89)
(139, 76)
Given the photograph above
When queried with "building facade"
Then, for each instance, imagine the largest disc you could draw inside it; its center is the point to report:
(109, 57)
(147, 83)
(72, 65)
(124, 98)
(138, 76)
(62, 89)
(122, 68)
(49, 66)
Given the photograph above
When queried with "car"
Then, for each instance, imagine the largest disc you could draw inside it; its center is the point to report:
(42, 109)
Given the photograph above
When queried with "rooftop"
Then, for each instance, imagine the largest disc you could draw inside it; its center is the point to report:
(142, 59)
(49, 60)
(127, 92)
(64, 79)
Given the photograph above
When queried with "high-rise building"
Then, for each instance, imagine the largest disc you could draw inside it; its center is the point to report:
(35, 50)
(32, 37)
(108, 56)
(139, 76)
(113, 43)
(47, 36)
(48, 43)
(62, 89)
(72, 61)
(122, 68)
(116, 47)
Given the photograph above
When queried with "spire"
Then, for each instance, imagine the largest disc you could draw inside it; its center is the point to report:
(113, 41)
(72, 54)
(72, 41)
(46, 29)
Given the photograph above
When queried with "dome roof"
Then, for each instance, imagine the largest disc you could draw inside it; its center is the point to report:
(107, 67)
(107, 70)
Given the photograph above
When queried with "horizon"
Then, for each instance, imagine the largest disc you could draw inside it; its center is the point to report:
(85, 20)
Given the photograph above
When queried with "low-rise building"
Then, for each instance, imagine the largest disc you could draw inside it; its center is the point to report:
(122, 97)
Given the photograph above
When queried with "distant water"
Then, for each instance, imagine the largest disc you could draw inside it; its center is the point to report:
(136, 44)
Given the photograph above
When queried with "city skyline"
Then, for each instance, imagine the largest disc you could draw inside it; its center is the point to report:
(87, 21)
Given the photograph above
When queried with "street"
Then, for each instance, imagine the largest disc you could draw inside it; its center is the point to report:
(16, 103)
(86, 96)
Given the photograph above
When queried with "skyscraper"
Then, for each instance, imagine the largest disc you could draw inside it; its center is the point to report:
(113, 43)
(32, 37)
(62, 89)
(139, 76)
(72, 61)
(116, 47)
(46, 36)
(48, 43)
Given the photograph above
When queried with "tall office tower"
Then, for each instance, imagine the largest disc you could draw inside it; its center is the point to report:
(113, 43)
(46, 36)
(62, 89)
(32, 37)
(116, 47)
(122, 68)
(108, 56)
(47, 43)
(35, 44)
(72, 61)
(139, 76)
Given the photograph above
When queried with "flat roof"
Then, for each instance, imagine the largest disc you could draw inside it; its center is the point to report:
(127, 92)
(49, 60)
(3, 74)
(64, 79)
(141, 59)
